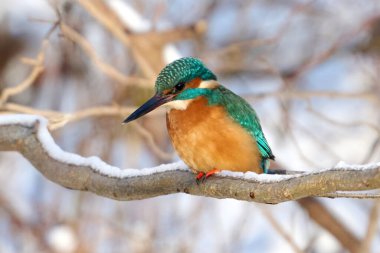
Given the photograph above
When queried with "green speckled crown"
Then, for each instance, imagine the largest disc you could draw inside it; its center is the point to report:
(182, 70)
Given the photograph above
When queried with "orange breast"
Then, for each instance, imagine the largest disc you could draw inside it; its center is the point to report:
(205, 138)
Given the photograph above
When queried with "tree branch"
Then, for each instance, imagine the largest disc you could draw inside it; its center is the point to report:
(29, 135)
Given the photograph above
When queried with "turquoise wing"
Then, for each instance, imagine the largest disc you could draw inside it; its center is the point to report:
(243, 114)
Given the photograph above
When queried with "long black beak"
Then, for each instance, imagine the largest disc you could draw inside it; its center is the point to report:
(148, 106)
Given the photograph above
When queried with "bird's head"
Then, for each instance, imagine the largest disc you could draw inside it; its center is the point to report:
(177, 83)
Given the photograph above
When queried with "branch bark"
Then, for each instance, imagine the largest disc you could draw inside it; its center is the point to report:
(29, 136)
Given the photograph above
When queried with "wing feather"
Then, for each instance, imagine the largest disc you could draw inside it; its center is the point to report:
(243, 114)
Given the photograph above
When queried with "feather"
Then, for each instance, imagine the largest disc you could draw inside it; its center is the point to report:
(242, 113)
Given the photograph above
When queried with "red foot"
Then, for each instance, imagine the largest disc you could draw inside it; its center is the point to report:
(201, 176)
(211, 172)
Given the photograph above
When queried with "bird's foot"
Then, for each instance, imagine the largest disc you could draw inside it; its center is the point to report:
(201, 176)
(211, 172)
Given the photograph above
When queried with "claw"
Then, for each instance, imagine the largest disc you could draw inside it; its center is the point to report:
(211, 172)
(200, 177)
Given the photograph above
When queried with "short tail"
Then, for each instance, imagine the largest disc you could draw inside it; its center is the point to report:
(265, 164)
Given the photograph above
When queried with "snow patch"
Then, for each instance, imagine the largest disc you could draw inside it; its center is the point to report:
(265, 178)
(344, 166)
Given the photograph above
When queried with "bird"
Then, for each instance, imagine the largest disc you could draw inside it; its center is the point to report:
(211, 128)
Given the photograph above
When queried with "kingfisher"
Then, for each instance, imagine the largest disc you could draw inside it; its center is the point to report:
(211, 128)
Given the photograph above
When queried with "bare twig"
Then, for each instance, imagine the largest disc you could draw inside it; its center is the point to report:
(110, 71)
(38, 68)
(334, 47)
(299, 8)
(59, 119)
(104, 15)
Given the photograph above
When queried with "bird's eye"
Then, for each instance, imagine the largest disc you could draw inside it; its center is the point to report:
(179, 86)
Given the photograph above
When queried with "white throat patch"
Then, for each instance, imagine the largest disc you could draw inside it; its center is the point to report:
(178, 104)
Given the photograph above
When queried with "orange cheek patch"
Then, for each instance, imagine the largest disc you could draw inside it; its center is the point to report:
(194, 83)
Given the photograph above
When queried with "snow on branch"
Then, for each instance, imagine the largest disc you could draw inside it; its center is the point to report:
(29, 135)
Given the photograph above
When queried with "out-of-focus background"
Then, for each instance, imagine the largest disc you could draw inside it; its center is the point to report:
(309, 68)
